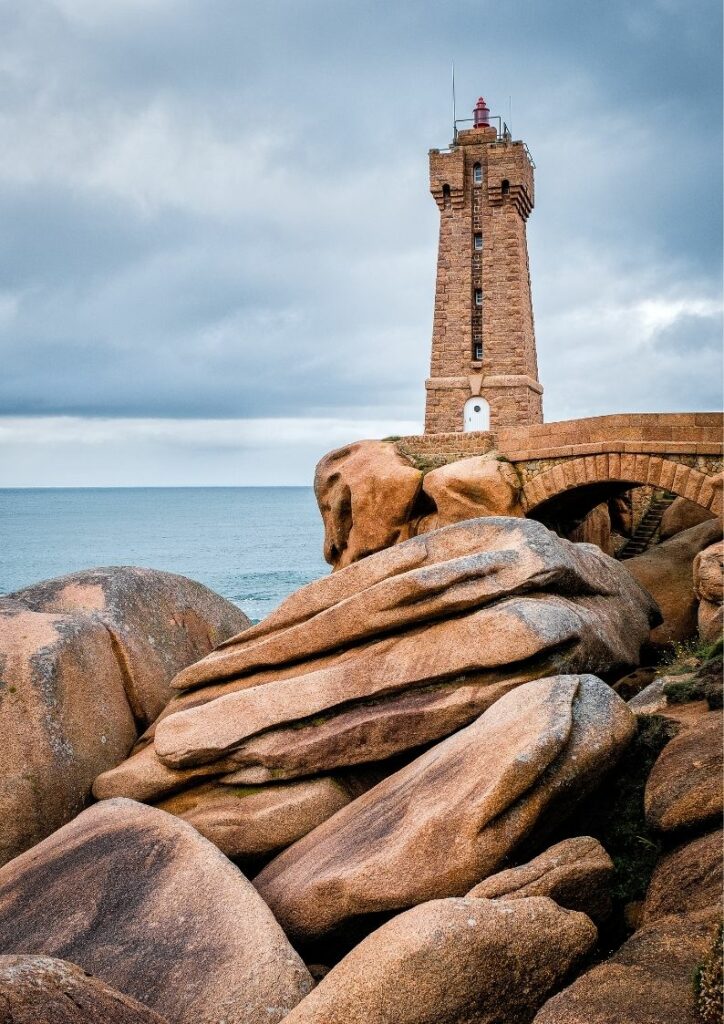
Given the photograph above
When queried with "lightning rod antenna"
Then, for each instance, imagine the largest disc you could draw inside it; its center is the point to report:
(453, 101)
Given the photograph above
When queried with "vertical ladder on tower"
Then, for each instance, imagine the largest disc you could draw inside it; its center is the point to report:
(648, 526)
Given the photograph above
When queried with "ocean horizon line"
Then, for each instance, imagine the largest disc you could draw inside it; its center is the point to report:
(161, 487)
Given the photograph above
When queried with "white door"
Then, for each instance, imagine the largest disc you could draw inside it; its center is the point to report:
(477, 414)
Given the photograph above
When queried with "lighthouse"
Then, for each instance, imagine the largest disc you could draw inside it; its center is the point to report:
(484, 368)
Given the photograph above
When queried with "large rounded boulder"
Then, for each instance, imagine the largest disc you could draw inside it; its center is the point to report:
(140, 900)
(86, 662)
(453, 961)
(366, 493)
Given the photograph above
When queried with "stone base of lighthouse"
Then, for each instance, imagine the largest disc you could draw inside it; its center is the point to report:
(511, 401)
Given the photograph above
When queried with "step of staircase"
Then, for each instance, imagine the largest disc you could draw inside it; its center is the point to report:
(648, 526)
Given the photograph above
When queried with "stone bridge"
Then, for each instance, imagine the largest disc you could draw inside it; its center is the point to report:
(568, 468)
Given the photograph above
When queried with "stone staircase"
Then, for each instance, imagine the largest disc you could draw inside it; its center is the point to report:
(642, 537)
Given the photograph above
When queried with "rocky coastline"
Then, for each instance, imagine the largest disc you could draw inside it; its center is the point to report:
(472, 775)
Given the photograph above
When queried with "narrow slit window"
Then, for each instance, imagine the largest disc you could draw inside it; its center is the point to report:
(478, 296)
(505, 186)
(478, 174)
(446, 195)
(478, 350)
(478, 241)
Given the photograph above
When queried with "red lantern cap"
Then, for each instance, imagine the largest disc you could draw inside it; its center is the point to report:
(481, 114)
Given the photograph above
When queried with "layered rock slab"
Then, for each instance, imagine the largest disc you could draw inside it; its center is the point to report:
(459, 568)
(453, 961)
(43, 990)
(251, 821)
(140, 900)
(649, 980)
(452, 816)
(576, 873)
(395, 652)
(376, 661)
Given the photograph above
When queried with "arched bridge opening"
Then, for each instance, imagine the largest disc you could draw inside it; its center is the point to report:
(569, 489)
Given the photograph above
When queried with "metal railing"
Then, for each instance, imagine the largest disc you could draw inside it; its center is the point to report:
(502, 130)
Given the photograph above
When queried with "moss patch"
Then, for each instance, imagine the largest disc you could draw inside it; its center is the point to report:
(240, 792)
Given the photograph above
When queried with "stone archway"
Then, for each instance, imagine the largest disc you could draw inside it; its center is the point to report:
(632, 470)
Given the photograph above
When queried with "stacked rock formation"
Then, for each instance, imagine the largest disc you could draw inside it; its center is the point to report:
(284, 725)
(407, 755)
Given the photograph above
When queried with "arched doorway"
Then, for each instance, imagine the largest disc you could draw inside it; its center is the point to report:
(476, 415)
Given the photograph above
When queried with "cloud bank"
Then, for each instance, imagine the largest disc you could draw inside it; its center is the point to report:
(218, 249)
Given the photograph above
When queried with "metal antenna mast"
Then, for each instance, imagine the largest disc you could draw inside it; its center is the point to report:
(453, 101)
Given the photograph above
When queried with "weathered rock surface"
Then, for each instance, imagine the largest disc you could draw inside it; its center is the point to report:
(666, 571)
(366, 493)
(470, 488)
(709, 588)
(140, 900)
(576, 873)
(687, 878)
(43, 990)
(682, 515)
(595, 529)
(64, 718)
(710, 621)
(85, 661)
(461, 568)
(540, 602)
(685, 787)
(453, 961)
(248, 821)
(454, 815)
(648, 981)
(631, 685)
(380, 659)
(158, 623)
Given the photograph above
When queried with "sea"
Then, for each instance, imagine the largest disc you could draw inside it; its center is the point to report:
(253, 545)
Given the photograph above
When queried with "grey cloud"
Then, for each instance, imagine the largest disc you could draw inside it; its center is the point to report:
(215, 209)
(691, 336)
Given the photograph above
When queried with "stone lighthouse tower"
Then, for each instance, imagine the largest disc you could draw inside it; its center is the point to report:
(484, 370)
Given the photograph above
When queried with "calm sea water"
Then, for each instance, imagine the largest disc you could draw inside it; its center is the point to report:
(254, 545)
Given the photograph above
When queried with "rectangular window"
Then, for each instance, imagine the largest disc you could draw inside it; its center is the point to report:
(478, 241)
(478, 296)
(478, 351)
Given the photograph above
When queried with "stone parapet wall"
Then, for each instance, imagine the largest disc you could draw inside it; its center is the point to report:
(663, 433)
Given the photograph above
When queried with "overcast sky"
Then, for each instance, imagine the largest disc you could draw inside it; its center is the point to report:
(217, 247)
